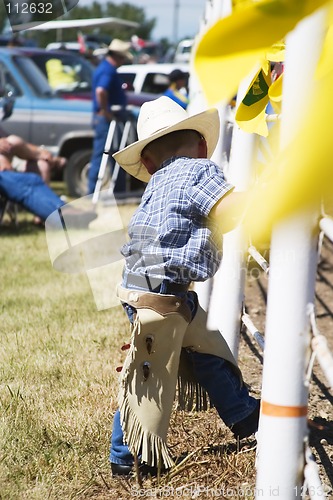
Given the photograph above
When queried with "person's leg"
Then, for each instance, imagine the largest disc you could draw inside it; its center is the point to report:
(219, 377)
(119, 452)
(101, 128)
(120, 184)
(30, 191)
(229, 395)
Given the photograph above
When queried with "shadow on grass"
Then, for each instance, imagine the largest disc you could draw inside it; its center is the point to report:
(23, 227)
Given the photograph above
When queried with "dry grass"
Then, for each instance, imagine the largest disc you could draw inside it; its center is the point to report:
(58, 390)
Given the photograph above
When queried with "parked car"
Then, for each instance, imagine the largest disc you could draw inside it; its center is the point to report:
(69, 74)
(151, 78)
(77, 81)
(183, 51)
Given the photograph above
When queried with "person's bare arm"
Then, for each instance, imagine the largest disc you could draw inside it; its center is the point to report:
(102, 99)
(229, 210)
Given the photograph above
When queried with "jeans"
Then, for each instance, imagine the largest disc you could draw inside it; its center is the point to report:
(30, 191)
(228, 395)
(101, 129)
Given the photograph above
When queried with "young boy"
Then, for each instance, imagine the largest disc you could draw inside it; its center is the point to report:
(175, 239)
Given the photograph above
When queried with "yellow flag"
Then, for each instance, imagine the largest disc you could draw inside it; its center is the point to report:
(251, 112)
(228, 51)
(325, 61)
(277, 52)
(303, 172)
(275, 94)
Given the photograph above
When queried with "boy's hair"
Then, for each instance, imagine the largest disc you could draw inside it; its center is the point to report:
(172, 142)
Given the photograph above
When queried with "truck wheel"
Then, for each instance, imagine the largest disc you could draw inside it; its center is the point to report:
(76, 172)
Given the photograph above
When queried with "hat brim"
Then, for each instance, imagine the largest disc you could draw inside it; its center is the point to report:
(206, 123)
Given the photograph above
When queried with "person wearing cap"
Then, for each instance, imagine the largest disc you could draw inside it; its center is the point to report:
(175, 238)
(177, 88)
(107, 93)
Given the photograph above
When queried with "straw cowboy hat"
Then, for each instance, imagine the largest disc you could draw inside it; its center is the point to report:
(121, 48)
(160, 117)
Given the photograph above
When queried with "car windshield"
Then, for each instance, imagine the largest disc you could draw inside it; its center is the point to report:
(33, 76)
(65, 71)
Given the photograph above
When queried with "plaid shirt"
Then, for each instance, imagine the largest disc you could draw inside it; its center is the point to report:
(171, 237)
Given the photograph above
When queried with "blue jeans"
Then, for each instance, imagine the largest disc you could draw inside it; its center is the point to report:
(30, 191)
(101, 129)
(228, 395)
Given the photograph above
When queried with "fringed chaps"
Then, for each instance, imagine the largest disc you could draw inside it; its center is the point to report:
(153, 365)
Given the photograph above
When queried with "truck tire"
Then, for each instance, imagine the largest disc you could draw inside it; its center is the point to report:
(76, 172)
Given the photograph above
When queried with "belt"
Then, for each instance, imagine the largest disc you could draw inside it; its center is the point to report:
(163, 304)
(147, 284)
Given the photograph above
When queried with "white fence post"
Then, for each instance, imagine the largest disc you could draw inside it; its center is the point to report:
(227, 295)
(214, 10)
(283, 423)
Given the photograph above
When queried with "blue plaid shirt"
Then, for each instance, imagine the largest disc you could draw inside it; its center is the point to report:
(171, 237)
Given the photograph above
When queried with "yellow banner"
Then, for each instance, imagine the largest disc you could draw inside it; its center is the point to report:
(228, 51)
(251, 112)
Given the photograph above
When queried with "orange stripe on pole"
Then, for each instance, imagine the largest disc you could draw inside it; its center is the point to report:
(272, 410)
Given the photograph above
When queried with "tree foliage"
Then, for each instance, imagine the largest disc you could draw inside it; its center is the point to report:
(96, 10)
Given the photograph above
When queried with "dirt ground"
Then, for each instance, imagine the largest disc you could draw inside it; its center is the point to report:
(320, 410)
(210, 463)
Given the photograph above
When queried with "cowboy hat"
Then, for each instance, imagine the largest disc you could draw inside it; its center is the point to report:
(160, 117)
(121, 48)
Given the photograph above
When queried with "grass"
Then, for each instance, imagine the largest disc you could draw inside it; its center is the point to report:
(57, 364)
(58, 388)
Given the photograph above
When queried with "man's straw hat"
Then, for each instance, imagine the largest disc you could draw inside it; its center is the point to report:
(158, 118)
(120, 47)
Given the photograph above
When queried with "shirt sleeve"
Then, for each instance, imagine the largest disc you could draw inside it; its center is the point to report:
(208, 188)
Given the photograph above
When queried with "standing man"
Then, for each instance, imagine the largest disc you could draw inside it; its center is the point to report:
(108, 92)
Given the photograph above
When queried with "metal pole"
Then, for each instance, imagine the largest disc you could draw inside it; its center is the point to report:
(283, 423)
(175, 21)
(104, 161)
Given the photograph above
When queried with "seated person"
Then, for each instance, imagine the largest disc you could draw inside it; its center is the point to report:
(59, 76)
(177, 88)
(38, 161)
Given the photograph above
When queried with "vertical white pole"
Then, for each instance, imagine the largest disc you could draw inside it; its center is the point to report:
(283, 423)
(214, 10)
(227, 296)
